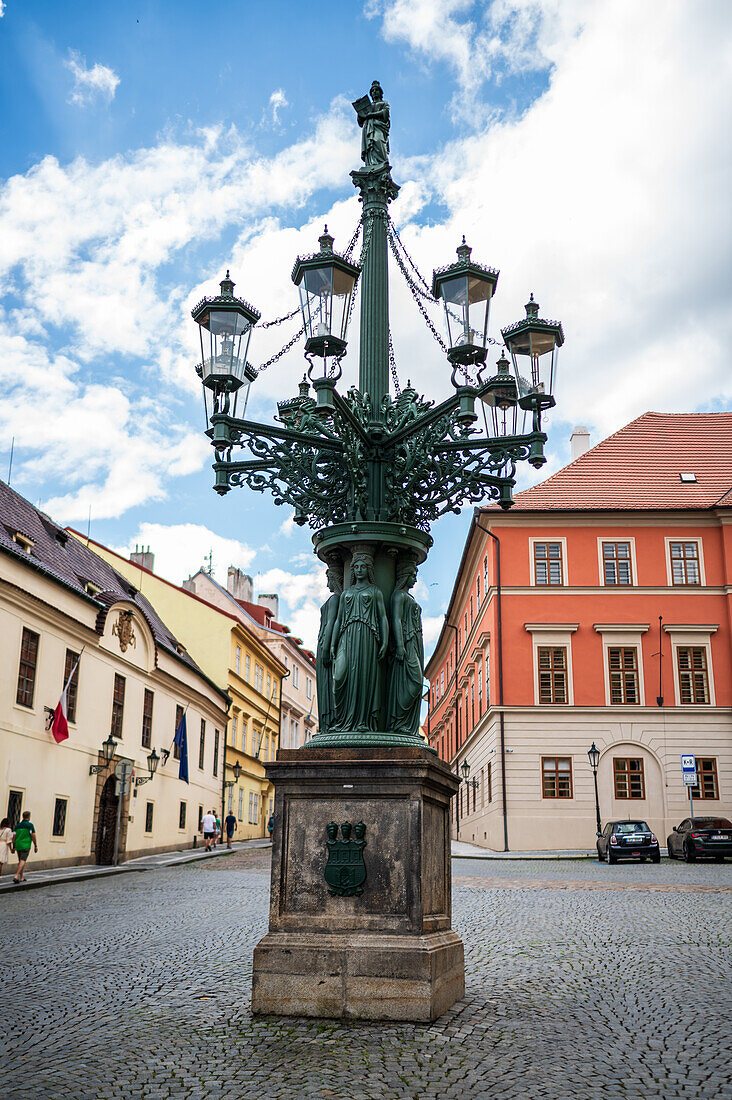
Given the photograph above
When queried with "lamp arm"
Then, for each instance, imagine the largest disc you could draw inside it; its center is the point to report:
(345, 411)
(494, 445)
(249, 428)
(422, 421)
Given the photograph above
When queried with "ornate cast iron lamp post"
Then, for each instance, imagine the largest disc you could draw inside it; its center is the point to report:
(369, 471)
(593, 755)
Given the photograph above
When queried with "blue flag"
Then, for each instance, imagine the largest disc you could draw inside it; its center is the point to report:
(181, 740)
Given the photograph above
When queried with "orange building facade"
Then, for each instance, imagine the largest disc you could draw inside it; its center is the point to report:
(598, 609)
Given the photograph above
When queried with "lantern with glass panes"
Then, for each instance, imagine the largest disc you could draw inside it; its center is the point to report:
(500, 394)
(225, 327)
(326, 282)
(533, 344)
(466, 290)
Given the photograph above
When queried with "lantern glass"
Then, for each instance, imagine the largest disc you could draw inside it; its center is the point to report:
(534, 346)
(501, 395)
(593, 755)
(467, 299)
(152, 762)
(465, 769)
(325, 299)
(108, 748)
(225, 336)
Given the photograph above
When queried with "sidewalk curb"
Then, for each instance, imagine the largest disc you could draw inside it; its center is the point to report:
(108, 872)
(510, 857)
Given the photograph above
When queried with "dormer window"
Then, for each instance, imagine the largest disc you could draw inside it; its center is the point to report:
(91, 589)
(23, 541)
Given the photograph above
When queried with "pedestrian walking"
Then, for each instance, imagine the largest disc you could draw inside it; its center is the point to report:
(6, 842)
(270, 825)
(208, 828)
(217, 838)
(230, 823)
(23, 837)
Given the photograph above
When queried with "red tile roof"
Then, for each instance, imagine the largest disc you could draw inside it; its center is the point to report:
(639, 466)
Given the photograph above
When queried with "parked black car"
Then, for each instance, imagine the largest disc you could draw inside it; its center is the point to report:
(627, 840)
(701, 836)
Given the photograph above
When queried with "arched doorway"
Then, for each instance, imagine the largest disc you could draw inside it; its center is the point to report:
(106, 822)
(630, 783)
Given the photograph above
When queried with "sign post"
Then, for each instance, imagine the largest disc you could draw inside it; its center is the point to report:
(688, 772)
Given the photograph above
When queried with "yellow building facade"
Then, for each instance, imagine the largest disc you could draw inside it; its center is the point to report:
(231, 654)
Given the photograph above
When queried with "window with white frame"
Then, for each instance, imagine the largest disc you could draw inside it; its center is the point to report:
(693, 674)
(240, 815)
(237, 660)
(308, 687)
(487, 676)
(553, 681)
(247, 667)
(622, 664)
(295, 676)
(685, 562)
(617, 563)
(548, 563)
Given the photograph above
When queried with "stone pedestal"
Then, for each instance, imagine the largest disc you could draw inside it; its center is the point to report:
(388, 952)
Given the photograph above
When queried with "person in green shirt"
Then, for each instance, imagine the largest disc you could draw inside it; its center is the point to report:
(23, 837)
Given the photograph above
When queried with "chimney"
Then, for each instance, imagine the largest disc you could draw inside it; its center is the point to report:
(190, 585)
(579, 441)
(271, 601)
(143, 557)
(240, 585)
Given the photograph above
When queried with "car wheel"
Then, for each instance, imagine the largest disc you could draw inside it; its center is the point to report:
(670, 850)
(719, 859)
(656, 858)
(610, 857)
(689, 854)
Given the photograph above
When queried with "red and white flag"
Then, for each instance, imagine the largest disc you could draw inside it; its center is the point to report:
(60, 725)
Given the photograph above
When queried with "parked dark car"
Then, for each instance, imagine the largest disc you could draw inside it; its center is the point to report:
(627, 840)
(701, 836)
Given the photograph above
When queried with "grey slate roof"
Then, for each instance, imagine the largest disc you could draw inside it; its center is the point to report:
(67, 561)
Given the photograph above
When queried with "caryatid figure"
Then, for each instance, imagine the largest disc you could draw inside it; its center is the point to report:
(323, 662)
(407, 671)
(358, 647)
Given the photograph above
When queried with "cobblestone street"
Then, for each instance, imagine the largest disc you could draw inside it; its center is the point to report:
(583, 981)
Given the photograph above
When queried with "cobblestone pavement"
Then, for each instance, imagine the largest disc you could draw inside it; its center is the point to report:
(138, 987)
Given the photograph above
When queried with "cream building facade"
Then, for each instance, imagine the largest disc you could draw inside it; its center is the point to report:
(224, 641)
(60, 602)
(299, 703)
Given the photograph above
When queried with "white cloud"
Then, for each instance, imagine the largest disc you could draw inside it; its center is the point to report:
(431, 627)
(277, 101)
(482, 40)
(301, 596)
(181, 549)
(608, 199)
(90, 84)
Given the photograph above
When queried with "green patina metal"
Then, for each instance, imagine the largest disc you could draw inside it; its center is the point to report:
(370, 472)
(345, 871)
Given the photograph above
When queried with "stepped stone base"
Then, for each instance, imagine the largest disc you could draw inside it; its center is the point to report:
(371, 976)
(387, 952)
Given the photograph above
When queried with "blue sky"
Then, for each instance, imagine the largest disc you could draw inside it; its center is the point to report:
(581, 145)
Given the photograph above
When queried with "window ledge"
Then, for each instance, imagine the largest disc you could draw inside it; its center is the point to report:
(621, 628)
(551, 628)
(691, 628)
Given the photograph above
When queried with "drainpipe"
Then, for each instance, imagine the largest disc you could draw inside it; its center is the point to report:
(499, 630)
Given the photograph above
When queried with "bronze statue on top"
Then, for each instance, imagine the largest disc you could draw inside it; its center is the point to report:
(373, 118)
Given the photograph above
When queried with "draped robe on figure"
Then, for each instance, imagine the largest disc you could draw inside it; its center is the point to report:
(405, 684)
(357, 669)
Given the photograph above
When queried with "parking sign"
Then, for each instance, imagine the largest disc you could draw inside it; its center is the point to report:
(688, 762)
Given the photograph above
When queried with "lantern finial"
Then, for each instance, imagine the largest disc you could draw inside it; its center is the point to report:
(464, 250)
(532, 307)
(227, 286)
(326, 241)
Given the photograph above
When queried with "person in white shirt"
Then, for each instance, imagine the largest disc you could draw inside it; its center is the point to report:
(208, 828)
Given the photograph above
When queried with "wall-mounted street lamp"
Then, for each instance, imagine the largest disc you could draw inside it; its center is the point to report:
(472, 783)
(108, 749)
(237, 771)
(593, 755)
(152, 764)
